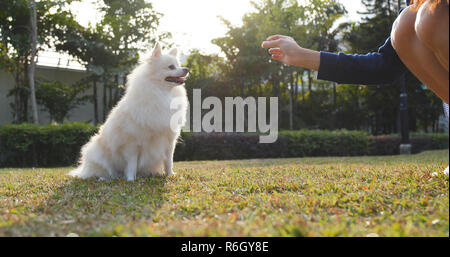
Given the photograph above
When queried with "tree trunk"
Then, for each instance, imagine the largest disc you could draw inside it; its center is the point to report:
(276, 92)
(310, 88)
(334, 105)
(357, 107)
(291, 109)
(25, 92)
(276, 86)
(105, 106)
(110, 97)
(296, 89)
(31, 68)
(95, 101)
(116, 90)
(437, 125)
(16, 108)
(303, 90)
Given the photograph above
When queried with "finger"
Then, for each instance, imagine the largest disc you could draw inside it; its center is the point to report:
(274, 51)
(270, 44)
(277, 57)
(275, 37)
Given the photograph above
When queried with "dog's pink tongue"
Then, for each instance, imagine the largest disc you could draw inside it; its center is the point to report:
(180, 79)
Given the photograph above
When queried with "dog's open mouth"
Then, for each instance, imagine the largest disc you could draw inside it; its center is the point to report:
(178, 80)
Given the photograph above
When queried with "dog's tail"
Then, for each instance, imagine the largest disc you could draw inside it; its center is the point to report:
(76, 172)
(87, 170)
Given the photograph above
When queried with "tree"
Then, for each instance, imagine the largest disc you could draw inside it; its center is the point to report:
(110, 49)
(251, 71)
(88, 46)
(17, 43)
(33, 41)
(59, 99)
(127, 28)
(207, 72)
(14, 24)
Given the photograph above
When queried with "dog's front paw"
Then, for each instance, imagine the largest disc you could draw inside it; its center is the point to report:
(170, 173)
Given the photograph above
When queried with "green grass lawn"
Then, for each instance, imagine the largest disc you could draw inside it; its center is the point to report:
(354, 196)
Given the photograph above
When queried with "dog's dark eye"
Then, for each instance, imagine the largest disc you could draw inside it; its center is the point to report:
(172, 67)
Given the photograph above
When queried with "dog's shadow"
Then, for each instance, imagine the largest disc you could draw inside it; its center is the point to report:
(95, 207)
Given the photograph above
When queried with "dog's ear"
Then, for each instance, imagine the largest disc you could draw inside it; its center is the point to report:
(173, 51)
(157, 50)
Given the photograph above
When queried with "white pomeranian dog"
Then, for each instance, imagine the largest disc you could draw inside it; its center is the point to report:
(139, 135)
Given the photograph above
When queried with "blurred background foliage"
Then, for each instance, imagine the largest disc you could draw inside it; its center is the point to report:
(110, 49)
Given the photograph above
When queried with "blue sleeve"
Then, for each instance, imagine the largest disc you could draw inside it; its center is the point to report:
(382, 67)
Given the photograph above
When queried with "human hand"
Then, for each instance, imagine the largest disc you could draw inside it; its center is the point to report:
(286, 50)
(282, 48)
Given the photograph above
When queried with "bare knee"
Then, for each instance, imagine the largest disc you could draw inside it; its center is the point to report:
(431, 27)
(420, 59)
(403, 32)
(431, 24)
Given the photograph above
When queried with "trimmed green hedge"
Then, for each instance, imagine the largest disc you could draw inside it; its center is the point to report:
(390, 145)
(29, 145)
(229, 146)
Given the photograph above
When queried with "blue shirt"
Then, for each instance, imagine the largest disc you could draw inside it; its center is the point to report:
(382, 67)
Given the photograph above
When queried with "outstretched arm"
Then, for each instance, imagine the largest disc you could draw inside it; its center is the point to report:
(374, 68)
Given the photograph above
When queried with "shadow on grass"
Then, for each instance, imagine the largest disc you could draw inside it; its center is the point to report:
(92, 208)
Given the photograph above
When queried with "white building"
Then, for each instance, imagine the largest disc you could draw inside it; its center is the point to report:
(51, 67)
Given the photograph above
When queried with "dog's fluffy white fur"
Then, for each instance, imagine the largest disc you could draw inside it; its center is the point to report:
(137, 138)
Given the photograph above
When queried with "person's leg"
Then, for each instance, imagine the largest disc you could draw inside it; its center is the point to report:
(417, 56)
(432, 30)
